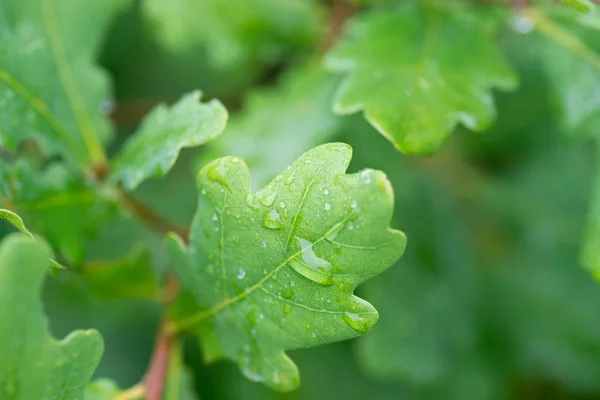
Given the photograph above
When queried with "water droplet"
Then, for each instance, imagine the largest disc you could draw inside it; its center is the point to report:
(203, 192)
(215, 218)
(327, 206)
(251, 200)
(354, 204)
(287, 308)
(241, 274)
(217, 171)
(314, 335)
(361, 322)
(311, 266)
(287, 293)
(365, 176)
(282, 204)
(290, 178)
(350, 226)
(263, 243)
(325, 191)
(307, 326)
(267, 199)
(307, 161)
(272, 220)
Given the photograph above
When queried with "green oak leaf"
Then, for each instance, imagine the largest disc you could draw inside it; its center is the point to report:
(33, 364)
(276, 269)
(418, 71)
(568, 48)
(15, 221)
(267, 133)
(153, 150)
(236, 31)
(51, 89)
(56, 204)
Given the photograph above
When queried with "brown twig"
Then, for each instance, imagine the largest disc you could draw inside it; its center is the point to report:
(155, 378)
(341, 11)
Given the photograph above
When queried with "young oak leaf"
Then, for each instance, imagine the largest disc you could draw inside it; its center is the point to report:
(417, 72)
(33, 364)
(276, 269)
(51, 89)
(153, 150)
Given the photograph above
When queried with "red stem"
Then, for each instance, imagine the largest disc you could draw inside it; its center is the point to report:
(157, 372)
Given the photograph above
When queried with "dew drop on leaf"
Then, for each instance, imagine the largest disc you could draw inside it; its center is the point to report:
(272, 220)
(287, 308)
(360, 322)
(288, 293)
(241, 274)
(327, 206)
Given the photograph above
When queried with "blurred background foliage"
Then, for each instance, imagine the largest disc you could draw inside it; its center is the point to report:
(489, 301)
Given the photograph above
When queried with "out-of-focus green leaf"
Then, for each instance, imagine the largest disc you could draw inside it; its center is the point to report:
(276, 269)
(128, 277)
(54, 204)
(584, 6)
(237, 32)
(153, 150)
(50, 88)
(568, 46)
(179, 383)
(34, 365)
(101, 389)
(15, 221)
(418, 71)
(279, 124)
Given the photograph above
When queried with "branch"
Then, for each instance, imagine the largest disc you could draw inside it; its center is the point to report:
(340, 13)
(154, 381)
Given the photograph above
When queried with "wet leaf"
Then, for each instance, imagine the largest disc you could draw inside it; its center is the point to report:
(276, 269)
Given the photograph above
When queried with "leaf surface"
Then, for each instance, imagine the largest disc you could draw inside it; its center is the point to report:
(417, 72)
(276, 269)
(33, 364)
(51, 89)
(153, 150)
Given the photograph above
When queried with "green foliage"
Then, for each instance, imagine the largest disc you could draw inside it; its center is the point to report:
(263, 265)
(236, 32)
(164, 132)
(277, 269)
(51, 89)
(57, 205)
(438, 74)
(34, 365)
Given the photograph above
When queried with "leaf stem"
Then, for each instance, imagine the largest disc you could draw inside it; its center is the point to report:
(157, 372)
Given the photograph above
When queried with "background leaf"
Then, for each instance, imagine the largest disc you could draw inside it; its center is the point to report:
(51, 89)
(34, 365)
(418, 71)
